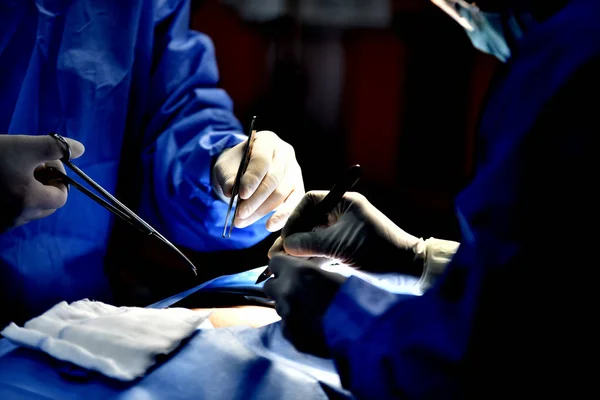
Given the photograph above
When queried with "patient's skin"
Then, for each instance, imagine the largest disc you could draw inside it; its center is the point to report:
(254, 316)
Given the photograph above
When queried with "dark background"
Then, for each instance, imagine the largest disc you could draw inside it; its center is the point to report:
(402, 100)
(400, 96)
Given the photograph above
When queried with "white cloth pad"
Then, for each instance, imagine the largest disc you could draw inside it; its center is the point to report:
(119, 342)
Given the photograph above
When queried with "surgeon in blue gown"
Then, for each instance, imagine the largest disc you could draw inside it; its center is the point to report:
(509, 312)
(132, 84)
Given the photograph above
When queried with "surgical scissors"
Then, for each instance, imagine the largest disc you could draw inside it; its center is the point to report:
(109, 202)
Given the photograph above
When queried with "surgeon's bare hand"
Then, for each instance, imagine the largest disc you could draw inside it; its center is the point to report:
(22, 197)
(273, 180)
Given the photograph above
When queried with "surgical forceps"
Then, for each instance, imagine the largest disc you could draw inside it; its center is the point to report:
(235, 200)
(109, 201)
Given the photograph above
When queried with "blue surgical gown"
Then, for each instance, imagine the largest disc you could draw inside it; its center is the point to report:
(514, 314)
(108, 73)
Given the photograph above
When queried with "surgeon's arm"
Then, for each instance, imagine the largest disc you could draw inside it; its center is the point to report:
(512, 311)
(481, 325)
(191, 124)
(398, 346)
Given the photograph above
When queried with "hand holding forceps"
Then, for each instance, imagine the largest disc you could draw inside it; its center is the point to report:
(105, 199)
(235, 191)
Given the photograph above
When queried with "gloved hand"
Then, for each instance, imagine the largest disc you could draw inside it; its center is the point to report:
(302, 293)
(356, 234)
(22, 197)
(273, 180)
